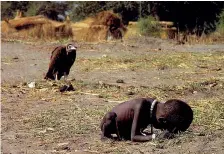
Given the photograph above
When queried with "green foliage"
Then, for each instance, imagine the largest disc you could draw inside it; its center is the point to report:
(8, 9)
(128, 10)
(220, 23)
(52, 9)
(33, 8)
(4, 10)
(149, 26)
(195, 17)
(49, 9)
(83, 9)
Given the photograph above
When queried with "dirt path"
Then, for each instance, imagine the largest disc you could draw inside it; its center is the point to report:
(24, 63)
(42, 120)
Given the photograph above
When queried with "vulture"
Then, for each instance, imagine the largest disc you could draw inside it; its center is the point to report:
(62, 59)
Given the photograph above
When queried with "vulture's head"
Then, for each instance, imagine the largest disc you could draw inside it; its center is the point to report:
(71, 47)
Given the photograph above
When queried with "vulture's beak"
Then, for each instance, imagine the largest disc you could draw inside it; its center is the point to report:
(73, 48)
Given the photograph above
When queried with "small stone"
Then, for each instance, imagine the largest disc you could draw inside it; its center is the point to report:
(101, 83)
(120, 81)
(63, 146)
(217, 69)
(195, 92)
(31, 85)
(54, 85)
(73, 79)
(160, 146)
(66, 88)
(24, 83)
(71, 88)
(22, 92)
(130, 93)
(43, 131)
(63, 88)
(44, 89)
(201, 134)
(104, 56)
(14, 86)
(213, 84)
(15, 58)
(100, 96)
(50, 129)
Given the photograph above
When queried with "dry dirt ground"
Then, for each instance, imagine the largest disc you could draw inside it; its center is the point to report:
(43, 120)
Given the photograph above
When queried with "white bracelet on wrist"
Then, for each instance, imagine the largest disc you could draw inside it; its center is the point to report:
(153, 136)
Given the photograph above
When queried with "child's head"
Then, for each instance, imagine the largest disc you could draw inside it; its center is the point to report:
(174, 115)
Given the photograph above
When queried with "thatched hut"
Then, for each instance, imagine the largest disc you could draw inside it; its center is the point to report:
(105, 25)
(36, 27)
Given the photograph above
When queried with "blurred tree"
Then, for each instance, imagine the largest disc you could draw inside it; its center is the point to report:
(9, 8)
(49, 9)
(194, 17)
(52, 10)
(83, 9)
(129, 10)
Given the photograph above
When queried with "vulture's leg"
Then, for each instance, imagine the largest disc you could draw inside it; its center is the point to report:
(56, 77)
(65, 76)
(66, 79)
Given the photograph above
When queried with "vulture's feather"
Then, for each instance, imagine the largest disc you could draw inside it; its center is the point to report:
(62, 59)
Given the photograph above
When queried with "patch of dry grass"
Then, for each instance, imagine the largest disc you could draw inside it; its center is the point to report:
(70, 117)
(215, 37)
(68, 122)
(209, 113)
(77, 114)
(187, 61)
(132, 30)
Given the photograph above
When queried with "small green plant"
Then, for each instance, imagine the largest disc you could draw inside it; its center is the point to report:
(149, 26)
(220, 24)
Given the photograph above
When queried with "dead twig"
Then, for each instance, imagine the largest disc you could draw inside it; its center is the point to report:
(112, 101)
(89, 93)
